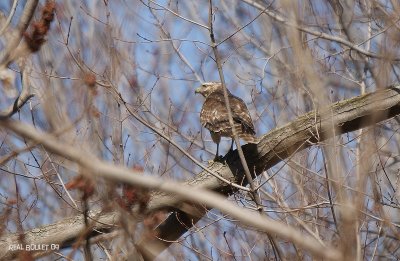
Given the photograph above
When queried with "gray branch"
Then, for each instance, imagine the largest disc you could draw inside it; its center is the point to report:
(274, 147)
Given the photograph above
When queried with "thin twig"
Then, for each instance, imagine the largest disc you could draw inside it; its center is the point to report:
(337, 39)
(244, 26)
(235, 135)
(10, 16)
(177, 15)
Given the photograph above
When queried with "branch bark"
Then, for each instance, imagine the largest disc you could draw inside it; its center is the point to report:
(275, 146)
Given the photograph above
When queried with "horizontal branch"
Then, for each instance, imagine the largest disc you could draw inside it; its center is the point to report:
(275, 146)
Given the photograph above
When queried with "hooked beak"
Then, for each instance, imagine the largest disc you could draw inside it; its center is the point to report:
(198, 90)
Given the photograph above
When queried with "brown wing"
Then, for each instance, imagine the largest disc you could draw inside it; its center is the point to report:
(241, 114)
(214, 116)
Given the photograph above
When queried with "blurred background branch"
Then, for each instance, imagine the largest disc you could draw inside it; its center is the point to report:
(114, 80)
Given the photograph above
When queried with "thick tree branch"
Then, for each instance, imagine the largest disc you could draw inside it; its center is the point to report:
(275, 146)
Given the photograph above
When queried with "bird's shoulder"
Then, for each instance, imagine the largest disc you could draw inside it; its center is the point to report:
(213, 110)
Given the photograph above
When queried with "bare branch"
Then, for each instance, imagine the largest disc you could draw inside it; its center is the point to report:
(10, 16)
(7, 55)
(273, 147)
(95, 167)
(322, 35)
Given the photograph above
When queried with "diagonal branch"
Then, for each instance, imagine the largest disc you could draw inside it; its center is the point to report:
(7, 55)
(275, 146)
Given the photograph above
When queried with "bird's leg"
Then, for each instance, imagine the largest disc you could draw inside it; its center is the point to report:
(231, 149)
(217, 139)
(217, 154)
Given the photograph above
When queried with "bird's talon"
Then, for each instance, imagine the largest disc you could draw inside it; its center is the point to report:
(218, 159)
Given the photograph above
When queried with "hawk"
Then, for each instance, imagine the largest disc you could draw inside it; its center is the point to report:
(214, 114)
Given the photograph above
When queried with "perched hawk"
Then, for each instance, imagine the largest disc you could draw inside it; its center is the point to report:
(214, 114)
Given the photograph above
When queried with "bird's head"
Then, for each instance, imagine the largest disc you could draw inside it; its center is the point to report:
(209, 87)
